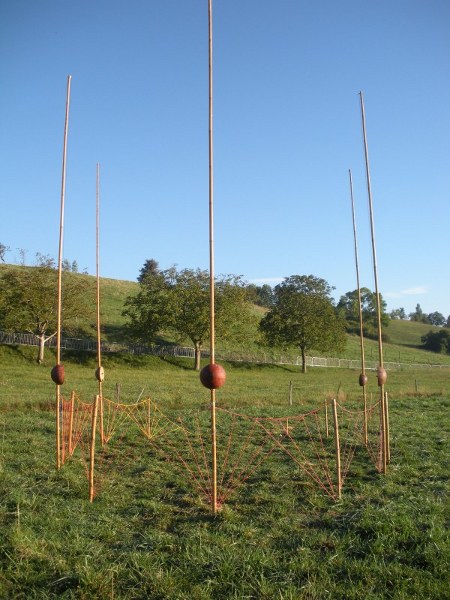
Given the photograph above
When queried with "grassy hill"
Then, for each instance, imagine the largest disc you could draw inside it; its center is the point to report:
(404, 336)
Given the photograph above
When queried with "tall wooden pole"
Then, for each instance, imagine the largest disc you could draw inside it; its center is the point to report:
(99, 372)
(381, 373)
(60, 258)
(211, 261)
(363, 376)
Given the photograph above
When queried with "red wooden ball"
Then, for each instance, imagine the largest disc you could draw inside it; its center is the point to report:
(57, 374)
(382, 376)
(363, 379)
(213, 376)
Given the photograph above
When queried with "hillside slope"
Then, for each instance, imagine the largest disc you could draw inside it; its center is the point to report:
(404, 336)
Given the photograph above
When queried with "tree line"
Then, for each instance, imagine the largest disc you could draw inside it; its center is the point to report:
(299, 312)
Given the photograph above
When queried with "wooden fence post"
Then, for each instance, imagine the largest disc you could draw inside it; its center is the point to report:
(338, 449)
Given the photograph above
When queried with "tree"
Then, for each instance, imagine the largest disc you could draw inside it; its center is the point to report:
(304, 316)
(3, 250)
(448, 322)
(149, 311)
(418, 315)
(262, 295)
(437, 341)
(398, 313)
(28, 302)
(179, 302)
(436, 318)
(150, 267)
(348, 307)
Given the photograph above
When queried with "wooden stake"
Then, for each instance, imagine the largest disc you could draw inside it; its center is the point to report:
(327, 429)
(72, 406)
(92, 449)
(361, 328)
(60, 253)
(338, 449)
(377, 294)
(386, 418)
(290, 393)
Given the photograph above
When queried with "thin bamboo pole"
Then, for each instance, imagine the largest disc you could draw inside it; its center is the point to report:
(60, 255)
(386, 420)
(381, 370)
(327, 428)
(363, 378)
(72, 406)
(99, 341)
(211, 260)
(338, 450)
(92, 449)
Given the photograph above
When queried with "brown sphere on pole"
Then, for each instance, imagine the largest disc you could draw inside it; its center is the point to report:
(100, 374)
(363, 379)
(57, 374)
(381, 376)
(213, 376)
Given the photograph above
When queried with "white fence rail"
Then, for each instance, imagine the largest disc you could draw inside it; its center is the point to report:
(28, 339)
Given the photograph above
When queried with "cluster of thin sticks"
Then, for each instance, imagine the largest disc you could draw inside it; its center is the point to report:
(244, 442)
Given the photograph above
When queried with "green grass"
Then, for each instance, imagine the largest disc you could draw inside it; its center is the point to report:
(148, 535)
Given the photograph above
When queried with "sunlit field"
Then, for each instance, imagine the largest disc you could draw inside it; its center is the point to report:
(150, 532)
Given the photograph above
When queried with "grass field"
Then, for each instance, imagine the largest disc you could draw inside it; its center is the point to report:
(149, 535)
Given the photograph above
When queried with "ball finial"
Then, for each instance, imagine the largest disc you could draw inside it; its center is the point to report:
(100, 374)
(57, 374)
(363, 379)
(213, 376)
(381, 376)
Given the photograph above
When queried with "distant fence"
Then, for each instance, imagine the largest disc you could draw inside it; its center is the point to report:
(28, 339)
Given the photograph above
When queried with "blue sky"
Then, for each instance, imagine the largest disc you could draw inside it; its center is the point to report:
(287, 127)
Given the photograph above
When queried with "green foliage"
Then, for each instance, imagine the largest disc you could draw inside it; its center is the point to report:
(28, 300)
(418, 315)
(398, 313)
(303, 316)
(179, 301)
(437, 341)
(261, 295)
(348, 307)
(150, 269)
(436, 318)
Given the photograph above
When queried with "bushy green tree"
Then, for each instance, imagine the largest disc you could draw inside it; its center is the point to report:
(436, 318)
(150, 267)
(398, 313)
(262, 295)
(348, 307)
(437, 341)
(418, 315)
(303, 316)
(179, 302)
(28, 301)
